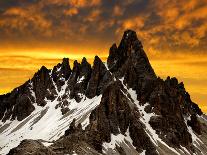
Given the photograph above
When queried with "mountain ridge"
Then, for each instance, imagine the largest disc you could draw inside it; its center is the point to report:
(122, 99)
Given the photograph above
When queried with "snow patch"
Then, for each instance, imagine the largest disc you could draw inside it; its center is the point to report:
(143, 152)
(117, 140)
(47, 143)
(80, 79)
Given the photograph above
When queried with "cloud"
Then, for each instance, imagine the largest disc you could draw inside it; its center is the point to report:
(161, 25)
(170, 25)
(93, 15)
(118, 11)
(71, 11)
(72, 3)
(24, 20)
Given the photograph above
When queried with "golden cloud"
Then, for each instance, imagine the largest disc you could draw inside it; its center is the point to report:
(72, 3)
(171, 24)
(118, 11)
(71, 11)
(22, 18)
(93, 15)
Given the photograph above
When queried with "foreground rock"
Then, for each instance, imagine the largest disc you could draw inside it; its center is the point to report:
(32, 147)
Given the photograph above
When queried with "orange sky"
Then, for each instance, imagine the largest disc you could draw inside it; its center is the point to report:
(41, 32)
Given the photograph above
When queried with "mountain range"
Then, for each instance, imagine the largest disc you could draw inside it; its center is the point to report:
(118, 107)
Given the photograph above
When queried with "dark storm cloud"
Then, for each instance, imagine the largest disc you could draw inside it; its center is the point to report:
(170, 25)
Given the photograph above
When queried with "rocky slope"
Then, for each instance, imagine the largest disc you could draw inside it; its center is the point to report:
(118, 107)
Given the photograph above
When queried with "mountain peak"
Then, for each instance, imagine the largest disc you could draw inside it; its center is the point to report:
(129, 53)
(65, 63)
(97, 59)
(43, 69)
(130, 34)
(130, 39)
(84, 60)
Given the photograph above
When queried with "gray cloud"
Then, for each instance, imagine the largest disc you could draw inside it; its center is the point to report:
(166, 25)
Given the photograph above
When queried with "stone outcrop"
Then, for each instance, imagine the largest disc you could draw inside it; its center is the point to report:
(195, 124)
(61, 72)
(17, 104)
(83, 79)
(100, 77)
(115, 115)
(129, 61)
(43, 86)
(33, 147)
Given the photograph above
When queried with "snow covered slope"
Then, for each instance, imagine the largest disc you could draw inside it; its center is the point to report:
(46, 123)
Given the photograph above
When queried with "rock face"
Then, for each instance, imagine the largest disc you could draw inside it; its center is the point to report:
(17, 104)
(115, 115)
(43, 86)
(100, 77)
(79, 78)
(130, 62)
(31, 147)
(150, 115)
(61, 72)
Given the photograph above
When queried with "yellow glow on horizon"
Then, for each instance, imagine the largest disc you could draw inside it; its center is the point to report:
(17, 67)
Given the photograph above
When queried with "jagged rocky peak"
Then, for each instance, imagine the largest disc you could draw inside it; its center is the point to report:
(130, 62)
(129, 45)
(61, 71)
(66, 68)
(41, 76)
(130, 57)
(100, 77)
(43, 86)
(85, 70)
(73, 78)
(19, 103)
(79, 79)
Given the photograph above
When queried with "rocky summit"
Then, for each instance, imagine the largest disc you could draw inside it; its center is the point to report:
(118, 107)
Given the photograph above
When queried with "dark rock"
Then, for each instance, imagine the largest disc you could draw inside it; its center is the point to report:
(130, 62)
(140, 138)
(64, 110)
(73, 78)
(23, 107)
(100, 78)
(17, 104)
(113, 57)
(115, 114)
(166, 102)
(31, 147)
(73, 128)
(194, 124)
(61, 73)
(82, 80)
(43, 86)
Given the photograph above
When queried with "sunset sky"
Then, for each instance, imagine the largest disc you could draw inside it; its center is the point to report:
(41, 32)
